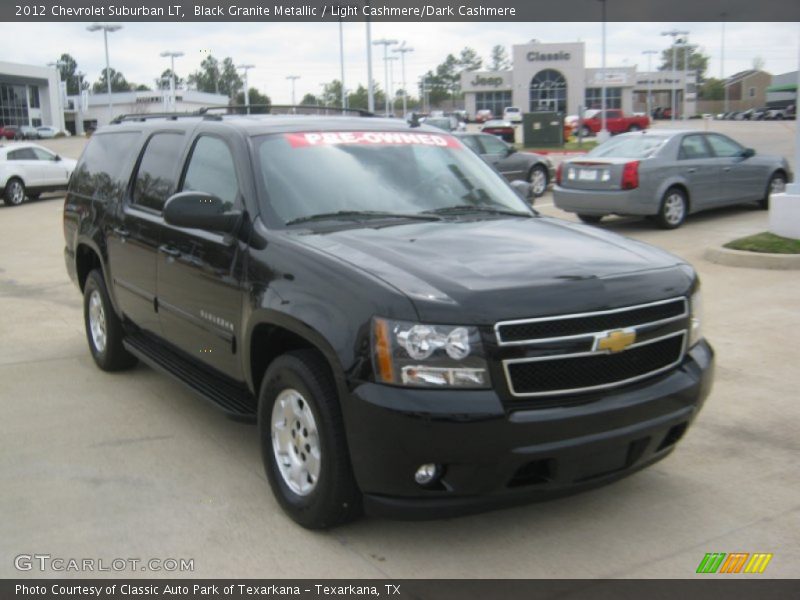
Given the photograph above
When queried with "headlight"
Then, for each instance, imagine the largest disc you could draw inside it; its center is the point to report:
(417, 354)
(695, 318)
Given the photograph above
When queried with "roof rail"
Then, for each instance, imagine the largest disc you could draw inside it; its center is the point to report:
(284, 109)
(173, 116)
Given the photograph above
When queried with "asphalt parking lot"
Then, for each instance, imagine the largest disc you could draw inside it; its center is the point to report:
(131, 465)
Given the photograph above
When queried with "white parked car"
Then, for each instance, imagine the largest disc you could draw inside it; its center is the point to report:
(46, 132)
(27, 170)
(513, 114)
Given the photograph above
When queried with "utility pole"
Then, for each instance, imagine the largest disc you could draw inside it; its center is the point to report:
(246, 68)
(106, 29)
(649, 54)
(293, 78)
(391, 93)
(341, 61)
(403, 50)
(674, 33)
(172, 57)
(385, 43)
(370, 83)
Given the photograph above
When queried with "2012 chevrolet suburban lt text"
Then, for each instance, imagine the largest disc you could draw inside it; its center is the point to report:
(410, 336)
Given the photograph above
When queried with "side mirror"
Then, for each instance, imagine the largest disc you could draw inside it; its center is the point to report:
(748, 152)
(523, 189)
(198, 210)
(510, 150)
(57, 158)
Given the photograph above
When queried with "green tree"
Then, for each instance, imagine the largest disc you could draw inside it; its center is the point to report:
(67, 68)
(140, 87)
(712, 89)
(207, 78)
(118, 82)
(229, 79)
(309, 100)
(468, 60)
(162, 83)
(360, 98)
(259, 102)
(698, 61)
(499, 59)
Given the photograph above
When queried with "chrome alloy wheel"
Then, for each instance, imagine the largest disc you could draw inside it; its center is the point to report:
(674, 208)
(16, 192)
(295, 442)
(538, 182)
(97, 321)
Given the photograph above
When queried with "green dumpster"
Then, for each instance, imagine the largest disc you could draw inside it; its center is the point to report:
(543, 129)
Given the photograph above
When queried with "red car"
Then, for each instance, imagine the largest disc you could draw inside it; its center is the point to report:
(502, 129)
(9, 132)
(483, 115)
(616, 122)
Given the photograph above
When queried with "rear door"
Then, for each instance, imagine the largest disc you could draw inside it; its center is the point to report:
(699, 168)
(200, 273)
(739, 178)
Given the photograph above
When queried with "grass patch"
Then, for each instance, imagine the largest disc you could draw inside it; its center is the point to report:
(571, 145)
(766, 242)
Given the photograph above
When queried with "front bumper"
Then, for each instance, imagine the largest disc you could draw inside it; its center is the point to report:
(603, 202)
(494, 456)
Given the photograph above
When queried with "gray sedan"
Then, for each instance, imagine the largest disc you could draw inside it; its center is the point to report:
(512, 164)
(666, 175)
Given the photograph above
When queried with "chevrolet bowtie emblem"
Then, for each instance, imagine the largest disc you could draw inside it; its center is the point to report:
(614, 341)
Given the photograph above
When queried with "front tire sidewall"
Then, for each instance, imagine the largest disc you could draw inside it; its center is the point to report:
(664, 220)
(538, 170)
(114, 357)
(14, 193)
(333, 499)
(775, 177)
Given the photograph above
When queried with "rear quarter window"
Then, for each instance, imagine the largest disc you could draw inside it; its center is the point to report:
(105, 166)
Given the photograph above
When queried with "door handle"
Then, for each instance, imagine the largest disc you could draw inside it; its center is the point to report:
(121, 232)
(726, 169)
(169, 250)
(691, 170)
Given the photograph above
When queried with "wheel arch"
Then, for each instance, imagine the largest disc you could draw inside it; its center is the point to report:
(674, 183)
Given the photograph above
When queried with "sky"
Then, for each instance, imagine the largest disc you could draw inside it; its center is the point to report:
(311, 50)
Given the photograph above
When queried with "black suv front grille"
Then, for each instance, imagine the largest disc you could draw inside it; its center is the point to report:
(530, 330)
(592, 371)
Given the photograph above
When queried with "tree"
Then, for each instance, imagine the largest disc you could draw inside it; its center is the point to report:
(309, 100)
(67, 69)
(445, 82)
(256, 98)
(758, 63)
(118, 82)
(360, 98)
(229, 80)
(207, 78)
(469, 60)
(712, 89)
(499, 60)
(140, 87)
(698, 61)
(163, 82)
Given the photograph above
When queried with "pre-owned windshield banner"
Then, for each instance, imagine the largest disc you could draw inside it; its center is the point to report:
(369, 138)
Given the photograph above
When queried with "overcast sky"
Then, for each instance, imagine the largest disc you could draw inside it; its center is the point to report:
(311, 50)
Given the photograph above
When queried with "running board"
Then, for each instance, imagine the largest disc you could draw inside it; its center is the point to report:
(233, 399)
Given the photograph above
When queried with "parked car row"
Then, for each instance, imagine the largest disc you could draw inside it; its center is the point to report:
(758, 114)
(26, 132)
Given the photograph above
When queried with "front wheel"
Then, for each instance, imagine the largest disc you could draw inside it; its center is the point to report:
(590, 219)
(673, 209)
(303, 442)
(103, 327)
(634, 128)
(776, 185)
(538, 180)
(586, 132)
(14, 194)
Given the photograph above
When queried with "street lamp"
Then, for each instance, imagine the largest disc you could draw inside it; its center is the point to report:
(57, 66)
(341, 60)
(649, 54)
(403, 50)
(106, 29)
(385, 43)
(246, 68)
(603, 135)
(172, 56)
(293, 78)
(370, 83)
(390, 91)
(684, 43)
(674, 33)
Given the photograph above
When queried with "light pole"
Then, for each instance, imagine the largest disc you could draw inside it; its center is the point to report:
(106, 28)
(341, 59)
(391, 93)
(246, 68)
(722, 67)
(674, 33)
(370, 83)
(385, 43)
(649, 54)
(172, 56)
(293, 78)
(603, 134)
(403, 50)
(57, 66)
(79, 119)
(685, 43)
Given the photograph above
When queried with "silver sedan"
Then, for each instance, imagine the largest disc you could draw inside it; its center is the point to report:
(666, 175)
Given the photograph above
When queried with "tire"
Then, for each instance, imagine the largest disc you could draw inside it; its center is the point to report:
(104, 330)
(673, 209)
(586, 132)
(298, 397)
(14, 194)
(537, 177)
(590, 219)
(634, 128)
(777, 184)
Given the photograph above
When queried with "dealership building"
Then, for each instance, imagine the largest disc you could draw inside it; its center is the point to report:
(30, 95)
(553, 77)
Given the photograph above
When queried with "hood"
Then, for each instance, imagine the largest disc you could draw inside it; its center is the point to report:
(482, 271)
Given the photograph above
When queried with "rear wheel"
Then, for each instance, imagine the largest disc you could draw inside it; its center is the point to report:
(590, 219)
(634, 128)
(776, 185)
(103, 327)
(538, 180)
(303, 442)
(14, 194)
(585, 131)
(674, 207)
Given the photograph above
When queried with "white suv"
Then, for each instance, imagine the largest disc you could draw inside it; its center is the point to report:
(513, 114)
(29, 169)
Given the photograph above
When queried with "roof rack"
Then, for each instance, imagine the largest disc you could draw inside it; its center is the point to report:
(172, 116)
(285, 109)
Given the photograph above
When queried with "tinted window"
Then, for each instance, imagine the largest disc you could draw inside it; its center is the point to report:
(22, 154)
(493, 145)
(639, 146)
(105, 166)
(43, 154)
(211, 170)
(155, 179)
(724, 147)
(693, 147)
(471, 142)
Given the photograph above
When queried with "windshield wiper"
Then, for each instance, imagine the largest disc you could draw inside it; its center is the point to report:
(476, 208)
(357, 215)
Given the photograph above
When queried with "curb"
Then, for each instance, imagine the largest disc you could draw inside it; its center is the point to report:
(752, 260)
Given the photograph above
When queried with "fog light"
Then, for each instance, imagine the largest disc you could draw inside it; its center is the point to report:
(427, 474)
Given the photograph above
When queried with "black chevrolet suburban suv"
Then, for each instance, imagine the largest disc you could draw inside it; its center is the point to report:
(410, 336)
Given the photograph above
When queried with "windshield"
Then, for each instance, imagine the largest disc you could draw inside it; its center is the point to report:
(399, 173)
(635, 146)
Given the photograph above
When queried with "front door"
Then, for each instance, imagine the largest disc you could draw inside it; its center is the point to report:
(496, 152)
(739, 178)
(200, 273)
